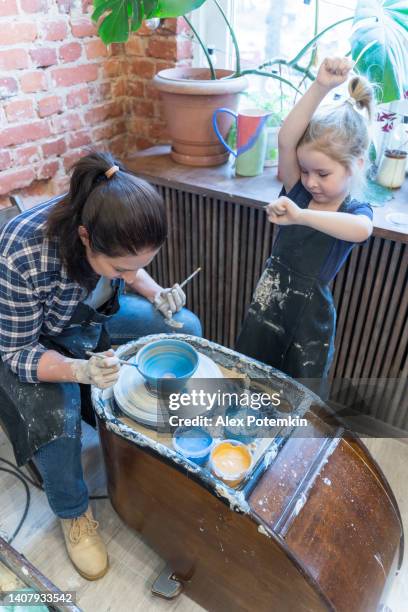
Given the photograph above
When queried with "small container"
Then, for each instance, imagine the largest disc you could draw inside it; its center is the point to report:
(230, 461)
(391, 173)
(194, 443)
(244, 433)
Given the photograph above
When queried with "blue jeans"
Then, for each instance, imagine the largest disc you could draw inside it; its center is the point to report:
(59, 461)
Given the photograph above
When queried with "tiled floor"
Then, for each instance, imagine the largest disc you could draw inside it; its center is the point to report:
(134, 565)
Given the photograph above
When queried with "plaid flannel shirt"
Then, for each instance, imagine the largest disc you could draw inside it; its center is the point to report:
(36, 295)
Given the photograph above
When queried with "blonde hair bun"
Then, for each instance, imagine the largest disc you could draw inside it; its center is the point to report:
(361, 90)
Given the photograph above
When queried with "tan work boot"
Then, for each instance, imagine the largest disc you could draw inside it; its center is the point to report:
(85, 546)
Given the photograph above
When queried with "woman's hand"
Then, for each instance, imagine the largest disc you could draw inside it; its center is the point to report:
(333, 71)
(283, 211)
(100, 370)
(170, 301)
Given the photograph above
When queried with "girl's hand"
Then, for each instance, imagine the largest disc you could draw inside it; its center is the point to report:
(283, 211)
(333, 71)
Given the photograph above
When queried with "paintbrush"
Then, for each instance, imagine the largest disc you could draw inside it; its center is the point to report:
(121, 361)
(171, 322)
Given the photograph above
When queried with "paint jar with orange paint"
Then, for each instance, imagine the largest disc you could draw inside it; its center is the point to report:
(230, 461)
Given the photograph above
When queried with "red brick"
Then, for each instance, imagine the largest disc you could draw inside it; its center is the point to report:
(143, 143)
(95, 48)
(152, 93)
(44, 57)
(8, 87)
(78, 97)
(117, 49)
(135, 46)
(164, 48)
(143, 107)
(83, 27)
(14, 59)
(113, 67)
(8, 7)
(5, 160)
(24, 156)
(143, 68)
(33, 81)
(160, 65)
(136, 89)
(65, 77)
(54, 147)
(12, 33)
(103, 133)
(66, 123)
(117, 146)
(72, 157)
(99, 92)
(156, 130)
(19, 110)
(70, 52)
(55, 30)
(15, 179)
(49, 106)
(101, 113)
(32, 6)
(118, 89)
(47, 170)
(24, 133)
(79, 139)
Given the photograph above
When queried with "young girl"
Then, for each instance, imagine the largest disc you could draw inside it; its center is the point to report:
(63, 268)
(291, 321)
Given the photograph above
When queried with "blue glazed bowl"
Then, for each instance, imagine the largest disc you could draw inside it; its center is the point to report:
(167, 364)
(194, 443)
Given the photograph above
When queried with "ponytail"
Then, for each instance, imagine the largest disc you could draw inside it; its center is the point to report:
(123, 215)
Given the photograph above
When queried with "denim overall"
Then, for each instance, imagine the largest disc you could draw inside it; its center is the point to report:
(291, 321)
(35, 414)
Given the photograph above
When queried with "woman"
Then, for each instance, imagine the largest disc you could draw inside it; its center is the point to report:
(63, 268)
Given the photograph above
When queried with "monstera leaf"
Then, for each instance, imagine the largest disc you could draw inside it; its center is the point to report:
(120, 17)
(380, 38)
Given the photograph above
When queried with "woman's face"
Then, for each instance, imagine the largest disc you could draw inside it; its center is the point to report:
(124, 267)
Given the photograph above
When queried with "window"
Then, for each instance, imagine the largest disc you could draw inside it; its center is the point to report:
(270, 28)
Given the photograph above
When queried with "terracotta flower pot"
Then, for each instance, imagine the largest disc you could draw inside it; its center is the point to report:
(190, 97)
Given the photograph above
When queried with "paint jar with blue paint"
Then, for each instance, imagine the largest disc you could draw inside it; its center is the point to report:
(194, 443)
(236, 424)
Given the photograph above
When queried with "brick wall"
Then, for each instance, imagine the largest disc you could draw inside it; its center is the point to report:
(62, 90)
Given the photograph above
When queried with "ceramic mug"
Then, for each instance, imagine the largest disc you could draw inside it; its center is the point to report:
(251, 139)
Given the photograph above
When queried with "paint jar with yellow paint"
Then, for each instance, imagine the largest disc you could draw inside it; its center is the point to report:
(230, 461)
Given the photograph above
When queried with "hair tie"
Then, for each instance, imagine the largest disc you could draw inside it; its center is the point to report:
(353, 102)
(111, 171)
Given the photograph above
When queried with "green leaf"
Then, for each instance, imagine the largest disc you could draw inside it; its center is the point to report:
(148, 7)
(115, 26)
(384, 23)
(175, 8)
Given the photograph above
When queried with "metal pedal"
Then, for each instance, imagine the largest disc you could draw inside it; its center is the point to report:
(166, 584)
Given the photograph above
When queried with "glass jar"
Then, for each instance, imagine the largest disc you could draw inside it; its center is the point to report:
(391, 172)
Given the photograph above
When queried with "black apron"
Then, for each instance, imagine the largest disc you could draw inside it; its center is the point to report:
(33, 413)
(291, 321)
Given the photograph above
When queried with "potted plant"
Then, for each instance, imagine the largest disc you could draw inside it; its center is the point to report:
(191, 94)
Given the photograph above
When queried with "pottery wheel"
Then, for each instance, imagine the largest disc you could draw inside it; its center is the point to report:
(137, 402)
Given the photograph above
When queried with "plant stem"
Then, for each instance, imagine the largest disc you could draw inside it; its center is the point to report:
(234, 40)
(204, 48)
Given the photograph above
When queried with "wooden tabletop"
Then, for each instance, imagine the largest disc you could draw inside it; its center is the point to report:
(155, 165)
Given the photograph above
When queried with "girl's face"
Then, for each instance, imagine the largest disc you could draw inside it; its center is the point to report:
(325, 178)
(124, 267)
